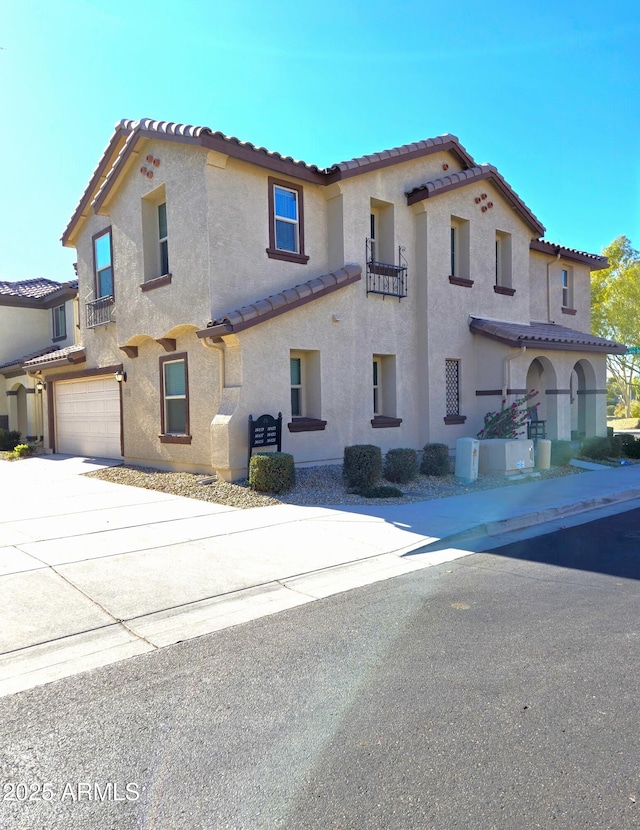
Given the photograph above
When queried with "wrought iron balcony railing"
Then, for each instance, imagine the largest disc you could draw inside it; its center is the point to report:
(383, 277)
(99, 312)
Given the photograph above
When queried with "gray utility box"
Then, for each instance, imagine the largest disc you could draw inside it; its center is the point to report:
(467, 460)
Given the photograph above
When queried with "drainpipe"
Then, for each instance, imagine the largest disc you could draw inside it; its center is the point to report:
(218, 347)
(506, 370)
(549, 264)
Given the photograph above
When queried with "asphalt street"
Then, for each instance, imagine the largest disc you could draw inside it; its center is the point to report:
(496, 691)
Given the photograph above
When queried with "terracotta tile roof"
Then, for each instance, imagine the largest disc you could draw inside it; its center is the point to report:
(594, 261)
(33, 289)
(396, 154)
(18, 362)
(128, 132)
(482, 172)
(69, 354)
(543, 336)
(276, 304)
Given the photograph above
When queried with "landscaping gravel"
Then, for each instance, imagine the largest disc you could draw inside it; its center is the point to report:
(314, 486)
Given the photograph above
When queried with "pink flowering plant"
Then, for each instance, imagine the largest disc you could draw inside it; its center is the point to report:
(510, 420)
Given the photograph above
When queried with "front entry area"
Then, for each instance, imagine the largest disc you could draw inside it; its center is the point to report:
(87, 417)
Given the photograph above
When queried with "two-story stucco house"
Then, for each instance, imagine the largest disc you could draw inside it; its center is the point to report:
(38, 319)
(393, 299)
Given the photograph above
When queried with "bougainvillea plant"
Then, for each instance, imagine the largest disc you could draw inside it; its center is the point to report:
(510, 420)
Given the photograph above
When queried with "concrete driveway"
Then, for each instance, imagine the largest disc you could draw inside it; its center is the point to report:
(92, 572)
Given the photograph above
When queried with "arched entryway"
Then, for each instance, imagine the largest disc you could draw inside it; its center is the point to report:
(541, 375)
(17, 402)
(583, 400)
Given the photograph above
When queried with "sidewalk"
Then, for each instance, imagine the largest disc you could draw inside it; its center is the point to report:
(93, 572)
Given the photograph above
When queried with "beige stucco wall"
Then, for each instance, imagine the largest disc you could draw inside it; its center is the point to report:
(217, 212)
(23, 330)
(540, 311)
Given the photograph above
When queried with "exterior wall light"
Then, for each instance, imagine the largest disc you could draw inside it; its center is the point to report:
(40, 386)
(121, 376)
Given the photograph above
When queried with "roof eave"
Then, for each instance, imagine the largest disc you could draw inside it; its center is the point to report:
(595, 262)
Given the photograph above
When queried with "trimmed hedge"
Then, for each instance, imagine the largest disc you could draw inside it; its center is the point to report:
(9, 438)
(362, 466)
(401, 466)
(561, 453)
(272, 472)
(596, 447)
(435, 460)
(632, 448)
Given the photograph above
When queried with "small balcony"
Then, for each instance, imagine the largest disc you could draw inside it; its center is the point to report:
(384, 277)
(99, 312)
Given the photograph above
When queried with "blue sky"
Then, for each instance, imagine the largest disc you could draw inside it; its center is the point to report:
(548, 92)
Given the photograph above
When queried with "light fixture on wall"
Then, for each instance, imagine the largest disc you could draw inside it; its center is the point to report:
(40, 386)
(121, 376)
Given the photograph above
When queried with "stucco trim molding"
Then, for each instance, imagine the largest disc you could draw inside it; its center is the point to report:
(306, 425)
(592, 391)
(557, 391)
(503, 289)
(156, 282)
(454, 419)
(384, 422)
(462, 281)
(571, 311)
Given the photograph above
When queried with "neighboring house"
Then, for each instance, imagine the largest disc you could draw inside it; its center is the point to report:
(392, 299)
(38, 318)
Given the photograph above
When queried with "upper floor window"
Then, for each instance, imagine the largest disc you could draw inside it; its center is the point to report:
(459, 244)
(59, 322)
(503, 284)
(162, 239)
(286, 222)
(567, 288)
(103, 263)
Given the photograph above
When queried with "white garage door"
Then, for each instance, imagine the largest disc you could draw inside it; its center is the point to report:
(88, 417)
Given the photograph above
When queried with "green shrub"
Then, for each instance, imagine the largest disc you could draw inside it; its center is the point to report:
(611, 409)
(596, 447)
(632, 448)
(616, 446)
(272, 472)
(21, 450)
(401, 466)
(362, 465)
(609, 432)
(561, 452)
(8, 439)
(435, 460)
(380, 492)
(635, 409)
(625, 439)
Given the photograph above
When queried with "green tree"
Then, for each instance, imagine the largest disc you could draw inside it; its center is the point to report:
(615, 311)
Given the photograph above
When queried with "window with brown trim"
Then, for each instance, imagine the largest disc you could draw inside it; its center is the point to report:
(103, 263)
(59, 322)
(567, 288)
(174, 399)
(286, 221)
(452, 392)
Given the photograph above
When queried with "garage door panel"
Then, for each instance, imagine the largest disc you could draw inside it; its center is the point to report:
(87, 415)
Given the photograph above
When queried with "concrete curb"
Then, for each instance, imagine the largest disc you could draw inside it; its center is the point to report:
(527, 520)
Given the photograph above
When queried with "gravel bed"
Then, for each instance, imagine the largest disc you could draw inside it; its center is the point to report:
(314, 486)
